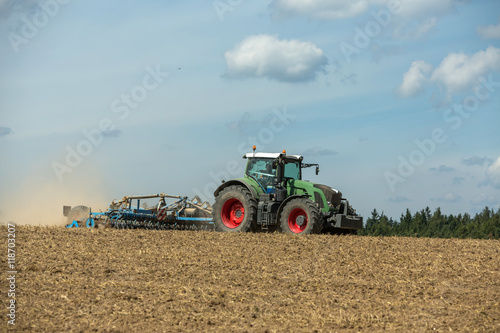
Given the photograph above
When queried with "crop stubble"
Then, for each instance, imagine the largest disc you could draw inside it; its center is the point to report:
(146, 280)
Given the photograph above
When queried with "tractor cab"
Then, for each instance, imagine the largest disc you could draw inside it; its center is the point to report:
(272, 169)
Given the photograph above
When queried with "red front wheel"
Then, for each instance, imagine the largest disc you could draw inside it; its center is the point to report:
(297, 220)
(301, 216)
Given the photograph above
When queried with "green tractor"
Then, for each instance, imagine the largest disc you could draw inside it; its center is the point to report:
(272, 196)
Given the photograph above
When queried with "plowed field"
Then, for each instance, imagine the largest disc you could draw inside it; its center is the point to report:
(145, 281)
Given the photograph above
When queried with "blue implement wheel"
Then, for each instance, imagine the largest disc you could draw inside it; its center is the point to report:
(90, 223)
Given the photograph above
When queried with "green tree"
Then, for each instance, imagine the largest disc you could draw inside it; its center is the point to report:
(434, 224)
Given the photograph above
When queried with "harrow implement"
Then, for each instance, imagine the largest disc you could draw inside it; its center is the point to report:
(182, 214)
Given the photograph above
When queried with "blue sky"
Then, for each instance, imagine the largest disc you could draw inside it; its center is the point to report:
(397, 100)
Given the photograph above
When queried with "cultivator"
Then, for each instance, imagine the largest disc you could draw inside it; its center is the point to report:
(182, 214)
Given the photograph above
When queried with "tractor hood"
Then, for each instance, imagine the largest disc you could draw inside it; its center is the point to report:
(332, 195)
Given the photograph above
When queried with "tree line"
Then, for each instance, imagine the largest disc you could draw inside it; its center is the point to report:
(425, 223)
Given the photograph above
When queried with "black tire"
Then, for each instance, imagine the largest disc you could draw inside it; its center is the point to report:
(301, 216)
(235, 210)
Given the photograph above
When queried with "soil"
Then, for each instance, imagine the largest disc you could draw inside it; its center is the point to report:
(107, 280)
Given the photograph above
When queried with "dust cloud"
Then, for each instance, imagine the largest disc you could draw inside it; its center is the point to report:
(39, 201)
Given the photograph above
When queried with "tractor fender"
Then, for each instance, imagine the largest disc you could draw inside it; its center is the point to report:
(283, 204)
(235, 182)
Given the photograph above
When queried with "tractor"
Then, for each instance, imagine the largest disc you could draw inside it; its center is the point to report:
(272, 196)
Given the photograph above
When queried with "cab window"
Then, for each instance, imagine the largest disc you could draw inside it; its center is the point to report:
(292, 170)
(261, 169)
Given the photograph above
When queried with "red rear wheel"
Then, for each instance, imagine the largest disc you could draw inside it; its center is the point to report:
(232, 213)
(235, 210)
(297, 220)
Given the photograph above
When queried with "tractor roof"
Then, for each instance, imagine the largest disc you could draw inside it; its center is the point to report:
(272, 155)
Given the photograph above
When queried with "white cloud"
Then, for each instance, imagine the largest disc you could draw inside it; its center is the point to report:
(456, 72)
(415, 78)
(489, 31)
(281, 60)
(425, 26)
(485, 200)
(320, 9)
(448, 197)
(493, 173)
(335, 9)
(426, 8)
(413, 18)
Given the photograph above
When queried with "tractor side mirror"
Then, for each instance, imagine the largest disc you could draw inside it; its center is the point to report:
(317, 170)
